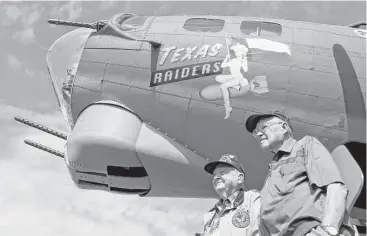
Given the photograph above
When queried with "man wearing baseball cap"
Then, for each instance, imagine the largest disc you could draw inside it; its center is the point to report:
(237, 211)
(303, 193)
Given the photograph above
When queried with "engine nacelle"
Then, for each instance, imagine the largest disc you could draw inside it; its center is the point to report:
(112, 149)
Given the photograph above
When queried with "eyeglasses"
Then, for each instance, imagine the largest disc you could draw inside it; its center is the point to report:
(261, 128)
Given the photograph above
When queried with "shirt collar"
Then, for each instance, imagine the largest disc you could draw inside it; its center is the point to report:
(286, 147)
(233, 201)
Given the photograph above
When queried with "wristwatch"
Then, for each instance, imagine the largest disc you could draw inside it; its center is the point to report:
(330, 230)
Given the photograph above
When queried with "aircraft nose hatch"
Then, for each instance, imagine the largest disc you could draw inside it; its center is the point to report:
(62, 61)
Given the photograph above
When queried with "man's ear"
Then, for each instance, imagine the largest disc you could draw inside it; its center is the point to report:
(241, 177)
(285, 127)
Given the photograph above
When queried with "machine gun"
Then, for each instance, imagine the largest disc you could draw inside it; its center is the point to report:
(96, 25)
(45, 129)
(115, 24)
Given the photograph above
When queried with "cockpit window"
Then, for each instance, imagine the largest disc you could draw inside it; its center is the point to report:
(358, 25)
(260, 28)
(204, 25)
(130, 22)
(134, 22)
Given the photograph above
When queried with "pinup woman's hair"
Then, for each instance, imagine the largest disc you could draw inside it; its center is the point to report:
(243, 42)
(232, 54)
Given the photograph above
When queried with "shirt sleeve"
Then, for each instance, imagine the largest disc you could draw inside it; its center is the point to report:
(255, 215)
(321, 168)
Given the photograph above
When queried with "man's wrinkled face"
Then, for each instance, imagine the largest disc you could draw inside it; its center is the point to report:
(226, 178)
(269, 132)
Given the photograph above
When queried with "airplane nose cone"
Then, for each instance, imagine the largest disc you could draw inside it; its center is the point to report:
(63, 56)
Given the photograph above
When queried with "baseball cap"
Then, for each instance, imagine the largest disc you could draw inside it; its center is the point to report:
(227, 159)
(252, 121)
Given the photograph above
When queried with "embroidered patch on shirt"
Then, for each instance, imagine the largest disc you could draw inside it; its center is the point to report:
(241, 219)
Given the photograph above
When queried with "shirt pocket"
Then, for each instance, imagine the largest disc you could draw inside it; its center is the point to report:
(239, 231)
(288, 177)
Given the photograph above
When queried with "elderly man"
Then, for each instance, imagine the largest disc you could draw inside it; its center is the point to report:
(303, 193)
(237, 211)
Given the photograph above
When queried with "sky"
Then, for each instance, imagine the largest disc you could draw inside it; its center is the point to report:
(37, 196)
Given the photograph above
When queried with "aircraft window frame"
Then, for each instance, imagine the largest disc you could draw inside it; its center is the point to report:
(255, 28)
(121, 23)
(190, 26)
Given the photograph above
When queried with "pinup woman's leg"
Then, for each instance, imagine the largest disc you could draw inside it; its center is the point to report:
(224, 87)
(243, 82)
(223, 78)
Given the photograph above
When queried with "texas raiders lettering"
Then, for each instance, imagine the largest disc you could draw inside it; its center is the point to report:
(185, 73)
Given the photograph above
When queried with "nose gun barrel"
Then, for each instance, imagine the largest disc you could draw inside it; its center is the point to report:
(41, 127)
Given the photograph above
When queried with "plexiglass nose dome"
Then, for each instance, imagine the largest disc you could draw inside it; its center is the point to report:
(62, 61)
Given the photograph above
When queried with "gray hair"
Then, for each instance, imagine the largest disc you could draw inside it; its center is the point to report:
(289, 130)
(241, 185)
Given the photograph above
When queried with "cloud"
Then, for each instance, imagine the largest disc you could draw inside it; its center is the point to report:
(162, 10)
(14, 132)
(27, 14)
(29, 72)
(105, 5)
(36, 190)
(14, 62)
(8, 111)
(26, 36)
(9, 14)
(33, 15)
(71, 10)
(127, 6)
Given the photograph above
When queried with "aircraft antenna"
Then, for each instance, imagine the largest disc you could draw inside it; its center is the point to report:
(45, 48)
(41, 127)
(44, 148)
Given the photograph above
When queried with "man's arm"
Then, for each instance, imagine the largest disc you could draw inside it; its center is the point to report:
(255, 215)
(335, 203)
(324, 173)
